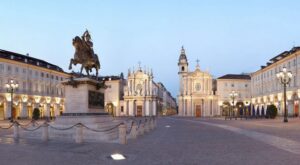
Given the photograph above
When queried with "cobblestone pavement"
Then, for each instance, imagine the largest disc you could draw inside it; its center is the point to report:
(185, 141)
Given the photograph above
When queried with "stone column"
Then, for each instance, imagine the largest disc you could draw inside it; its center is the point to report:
(133, 108)
(130, 108)
(47, 110)
(154, 108)
(147, 108)
(56, 109)
(183, 107)
(192, 107)
(24, 111)
(7, 107)
(150, 108)
(290, 107)
(144, 108)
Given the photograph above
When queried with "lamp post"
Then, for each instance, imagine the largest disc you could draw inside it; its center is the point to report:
(233, 95)
(11, 86)
(284, 77)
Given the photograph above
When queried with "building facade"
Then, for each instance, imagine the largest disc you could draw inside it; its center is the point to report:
(39, 86)
(167, 103)
(140, 94)
(266, 89)
(114, 95)
(196, 96)
(241, 85)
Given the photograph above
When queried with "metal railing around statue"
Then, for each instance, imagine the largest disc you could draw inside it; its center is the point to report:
(136, 127)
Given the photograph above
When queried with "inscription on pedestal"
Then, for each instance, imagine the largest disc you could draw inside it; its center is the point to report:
(96, 100)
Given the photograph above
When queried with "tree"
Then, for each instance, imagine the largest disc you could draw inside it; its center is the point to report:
(271, 111)
(36, 114)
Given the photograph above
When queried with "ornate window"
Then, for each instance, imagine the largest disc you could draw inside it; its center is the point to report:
(197, 87)
(139, 89)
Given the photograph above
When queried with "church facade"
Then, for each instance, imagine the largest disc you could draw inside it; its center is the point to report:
(196, 95)
(140, 94)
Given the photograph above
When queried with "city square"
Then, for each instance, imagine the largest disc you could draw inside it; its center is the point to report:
(196, 82)
(185, 141)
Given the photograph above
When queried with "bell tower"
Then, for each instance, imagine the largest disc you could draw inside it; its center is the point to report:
(182, 69)
(182, 62)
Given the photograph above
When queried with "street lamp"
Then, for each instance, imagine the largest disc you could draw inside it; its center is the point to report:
(233, 95)
(284, 77)
(10, 87)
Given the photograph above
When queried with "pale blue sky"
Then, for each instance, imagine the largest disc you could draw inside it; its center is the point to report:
(228, 36)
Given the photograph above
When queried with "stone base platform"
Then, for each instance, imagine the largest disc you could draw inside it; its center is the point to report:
(96, 128)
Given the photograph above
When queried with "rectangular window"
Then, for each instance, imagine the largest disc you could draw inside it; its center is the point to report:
(1, 84)
(8, 68)
(1, 67)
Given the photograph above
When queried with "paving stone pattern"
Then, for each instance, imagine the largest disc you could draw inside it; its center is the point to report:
(184, 142)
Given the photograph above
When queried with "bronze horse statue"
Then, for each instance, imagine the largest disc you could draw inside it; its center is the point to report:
(84, 54)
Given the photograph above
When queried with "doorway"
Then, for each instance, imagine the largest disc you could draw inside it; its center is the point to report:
(198, 110)
(296, 110)
(1, 111)
(139, 111)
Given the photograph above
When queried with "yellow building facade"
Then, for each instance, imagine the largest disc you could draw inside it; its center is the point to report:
(39, 86)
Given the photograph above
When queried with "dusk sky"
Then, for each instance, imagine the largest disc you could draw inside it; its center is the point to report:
(226, 36)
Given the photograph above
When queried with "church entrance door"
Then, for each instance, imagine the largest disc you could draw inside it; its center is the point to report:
(198, 110)
(139, 111)
(296, 110)
(1, 112)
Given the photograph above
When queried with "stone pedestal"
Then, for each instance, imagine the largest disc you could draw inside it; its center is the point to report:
(84, 103)
(83, 95)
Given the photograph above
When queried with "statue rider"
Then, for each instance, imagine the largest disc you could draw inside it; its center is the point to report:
(86, 37)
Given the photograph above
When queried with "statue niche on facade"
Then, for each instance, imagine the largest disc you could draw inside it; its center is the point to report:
(84, 54)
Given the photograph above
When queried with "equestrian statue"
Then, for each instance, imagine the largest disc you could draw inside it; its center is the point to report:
(84, 54)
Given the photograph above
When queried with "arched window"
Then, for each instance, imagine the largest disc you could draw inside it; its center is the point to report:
(182, 68)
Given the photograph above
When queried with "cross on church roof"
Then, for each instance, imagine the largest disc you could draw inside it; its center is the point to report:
(197, 66)
(139, 65)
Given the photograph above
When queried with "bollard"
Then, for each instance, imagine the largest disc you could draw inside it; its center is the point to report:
(122, 134)
(79, 134)
(152, 124)
(147, 128)
(141, 129)
(155, 123)
(16, 131)
(133, 132)
(45, 133)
